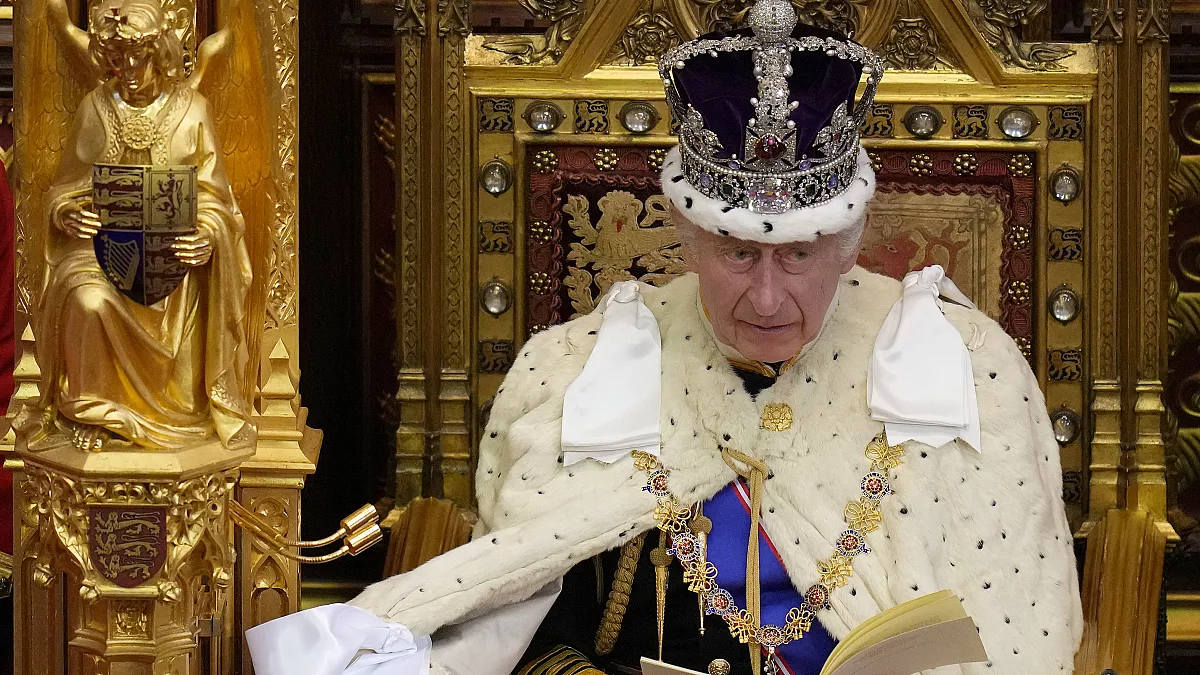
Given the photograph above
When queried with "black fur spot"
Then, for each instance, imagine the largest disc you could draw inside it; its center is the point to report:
(726, 209)
(724, 233)
(687, 202)
(767, 227)
(676, 179)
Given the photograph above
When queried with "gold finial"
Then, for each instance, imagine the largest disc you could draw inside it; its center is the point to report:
(718, 667)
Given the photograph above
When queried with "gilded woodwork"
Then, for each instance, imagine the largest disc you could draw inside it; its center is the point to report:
(651, 33)
(998, 22)
(412, 394)
(566, 17)
(426, 528)
(1121, 580)
(913, 43)
(176, 596)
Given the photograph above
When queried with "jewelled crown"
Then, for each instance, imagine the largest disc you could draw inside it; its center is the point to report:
(767, 118)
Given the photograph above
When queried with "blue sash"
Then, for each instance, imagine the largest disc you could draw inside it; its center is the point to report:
(730, 513)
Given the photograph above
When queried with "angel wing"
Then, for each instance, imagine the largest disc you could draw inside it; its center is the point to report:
(53, 72)
(230, 73)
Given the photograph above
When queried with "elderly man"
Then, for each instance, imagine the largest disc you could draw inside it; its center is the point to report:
(777, 446)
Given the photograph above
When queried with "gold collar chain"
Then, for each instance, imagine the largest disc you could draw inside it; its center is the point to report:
(862, 516)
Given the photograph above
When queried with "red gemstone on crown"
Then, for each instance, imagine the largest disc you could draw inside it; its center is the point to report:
(769, 147)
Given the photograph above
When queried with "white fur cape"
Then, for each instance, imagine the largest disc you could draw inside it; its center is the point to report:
(988, 525)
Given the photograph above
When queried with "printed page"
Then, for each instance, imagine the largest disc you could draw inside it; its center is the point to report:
(926, 610)
(652, 667)
(940, 644)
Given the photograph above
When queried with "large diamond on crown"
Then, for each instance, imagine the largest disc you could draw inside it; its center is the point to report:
(769, 195)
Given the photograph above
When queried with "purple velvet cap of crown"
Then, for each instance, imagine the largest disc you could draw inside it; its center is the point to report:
(720, 89)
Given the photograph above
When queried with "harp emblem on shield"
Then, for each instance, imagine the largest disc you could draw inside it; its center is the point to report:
(122, 259)
(143, 210)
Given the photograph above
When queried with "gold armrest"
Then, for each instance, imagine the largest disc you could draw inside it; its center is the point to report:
(1122, 578)
(425, 529)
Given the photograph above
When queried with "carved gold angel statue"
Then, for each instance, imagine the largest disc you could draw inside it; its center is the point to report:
(171, 372)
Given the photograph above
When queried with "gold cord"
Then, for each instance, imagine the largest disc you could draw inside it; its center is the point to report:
(618, 597)
(755, 472)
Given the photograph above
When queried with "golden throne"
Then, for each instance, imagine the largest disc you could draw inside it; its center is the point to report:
(999, 157)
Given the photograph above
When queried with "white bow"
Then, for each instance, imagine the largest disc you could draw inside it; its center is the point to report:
(336, 640)
(920, 383)
(611, 409)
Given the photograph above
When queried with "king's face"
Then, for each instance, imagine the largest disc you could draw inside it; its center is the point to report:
(766, 300)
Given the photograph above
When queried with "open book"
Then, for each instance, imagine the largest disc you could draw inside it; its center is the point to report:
(933, 630)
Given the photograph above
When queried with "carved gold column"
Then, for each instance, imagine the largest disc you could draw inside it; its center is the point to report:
(433, 443)
(412, 394)
(1108, 33)
(270, 485)
(1128, 249)
(1146, 487)
(453, 451)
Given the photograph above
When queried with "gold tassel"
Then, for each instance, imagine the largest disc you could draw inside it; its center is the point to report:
(755, 475)
(662, 561)
(701, 527)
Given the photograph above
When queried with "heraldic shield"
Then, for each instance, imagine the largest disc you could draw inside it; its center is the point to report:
(142, 210)
(128, 544)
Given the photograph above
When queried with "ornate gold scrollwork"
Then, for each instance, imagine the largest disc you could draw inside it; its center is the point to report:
(998, 21)
(566, 18)
(912, 42)
(110, 529)
(843, 15)
(645, 38)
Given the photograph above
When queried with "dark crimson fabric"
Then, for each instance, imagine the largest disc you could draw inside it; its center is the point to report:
(720, 88)
(6, 346)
